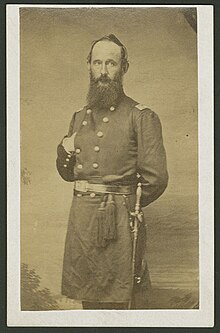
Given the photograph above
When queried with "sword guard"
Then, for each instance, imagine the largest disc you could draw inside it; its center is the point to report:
(138, 279)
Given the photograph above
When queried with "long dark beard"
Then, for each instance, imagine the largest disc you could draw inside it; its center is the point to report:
(106, 94)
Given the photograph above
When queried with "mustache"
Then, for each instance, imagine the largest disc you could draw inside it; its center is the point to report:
(103, 78)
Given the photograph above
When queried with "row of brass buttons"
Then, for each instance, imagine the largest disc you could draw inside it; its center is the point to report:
(99, 134)
(112, 108)
(96, 148)
(67, 159)
(95, 166)
(105, 120)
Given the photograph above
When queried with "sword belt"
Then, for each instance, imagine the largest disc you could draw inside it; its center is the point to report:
(84, 186)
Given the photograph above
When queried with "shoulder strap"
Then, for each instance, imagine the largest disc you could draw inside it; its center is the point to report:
(141, 107)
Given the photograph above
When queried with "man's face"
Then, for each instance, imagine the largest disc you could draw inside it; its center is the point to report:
(105, 62)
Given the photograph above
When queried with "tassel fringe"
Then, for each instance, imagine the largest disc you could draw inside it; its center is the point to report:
(110, 218)
(106, 221)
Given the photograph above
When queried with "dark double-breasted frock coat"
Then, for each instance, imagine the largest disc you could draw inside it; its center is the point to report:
(112, 146)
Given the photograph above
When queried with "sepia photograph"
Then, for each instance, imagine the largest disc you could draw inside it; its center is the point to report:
(109, 159)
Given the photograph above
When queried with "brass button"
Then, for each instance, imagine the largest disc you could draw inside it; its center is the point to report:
(65, 165)
(105, 120)
(88, 111)
(96, 148)
(92, 195)
(79, 195)
(79, 166)
(84, 123)
(100, 134)
(67, 159)
(112, 108)
(95, 165)
(78, 150)
(69, 155)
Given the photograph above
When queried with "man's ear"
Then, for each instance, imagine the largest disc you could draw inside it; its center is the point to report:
(125, 67)
(88, 65)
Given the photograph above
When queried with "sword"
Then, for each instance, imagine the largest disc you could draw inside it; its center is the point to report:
(137, 217)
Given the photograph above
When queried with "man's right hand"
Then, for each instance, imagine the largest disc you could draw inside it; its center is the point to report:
(68, 143)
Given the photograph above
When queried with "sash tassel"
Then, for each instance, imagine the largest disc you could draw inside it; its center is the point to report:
(106, 221)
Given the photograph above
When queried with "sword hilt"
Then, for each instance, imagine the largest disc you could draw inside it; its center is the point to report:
(138, 199)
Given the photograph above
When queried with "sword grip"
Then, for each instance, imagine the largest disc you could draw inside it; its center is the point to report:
(138, 198)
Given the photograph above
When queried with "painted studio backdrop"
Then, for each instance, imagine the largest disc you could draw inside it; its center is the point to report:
(162, 50)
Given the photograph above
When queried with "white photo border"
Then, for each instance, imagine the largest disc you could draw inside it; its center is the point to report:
(202, 317)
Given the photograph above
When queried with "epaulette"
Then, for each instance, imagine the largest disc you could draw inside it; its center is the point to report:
(141, 107)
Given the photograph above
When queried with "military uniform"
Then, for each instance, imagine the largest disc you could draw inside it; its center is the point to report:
(112, 147)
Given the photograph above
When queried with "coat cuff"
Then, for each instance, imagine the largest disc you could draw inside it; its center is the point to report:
(65, 163)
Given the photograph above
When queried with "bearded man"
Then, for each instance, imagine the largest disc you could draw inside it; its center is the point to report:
(113, 144)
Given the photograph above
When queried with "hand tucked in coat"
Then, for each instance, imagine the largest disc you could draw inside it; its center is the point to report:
(68, 143)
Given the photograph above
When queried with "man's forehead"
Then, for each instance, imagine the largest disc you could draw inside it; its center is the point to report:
(106, 48)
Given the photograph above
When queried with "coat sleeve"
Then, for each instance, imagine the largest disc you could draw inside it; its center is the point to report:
(66, 160)
(151, 162)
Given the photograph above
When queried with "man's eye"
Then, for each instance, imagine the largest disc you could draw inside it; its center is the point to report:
(111, 64)
(97, 63)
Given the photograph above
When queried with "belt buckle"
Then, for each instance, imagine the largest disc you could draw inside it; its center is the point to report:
(81, 185)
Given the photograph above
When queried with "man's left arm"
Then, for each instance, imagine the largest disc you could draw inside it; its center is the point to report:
(152, 164)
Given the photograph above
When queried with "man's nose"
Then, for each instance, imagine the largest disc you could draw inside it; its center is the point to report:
(104, 69)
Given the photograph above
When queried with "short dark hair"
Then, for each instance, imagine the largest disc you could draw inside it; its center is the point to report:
(114, 39)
